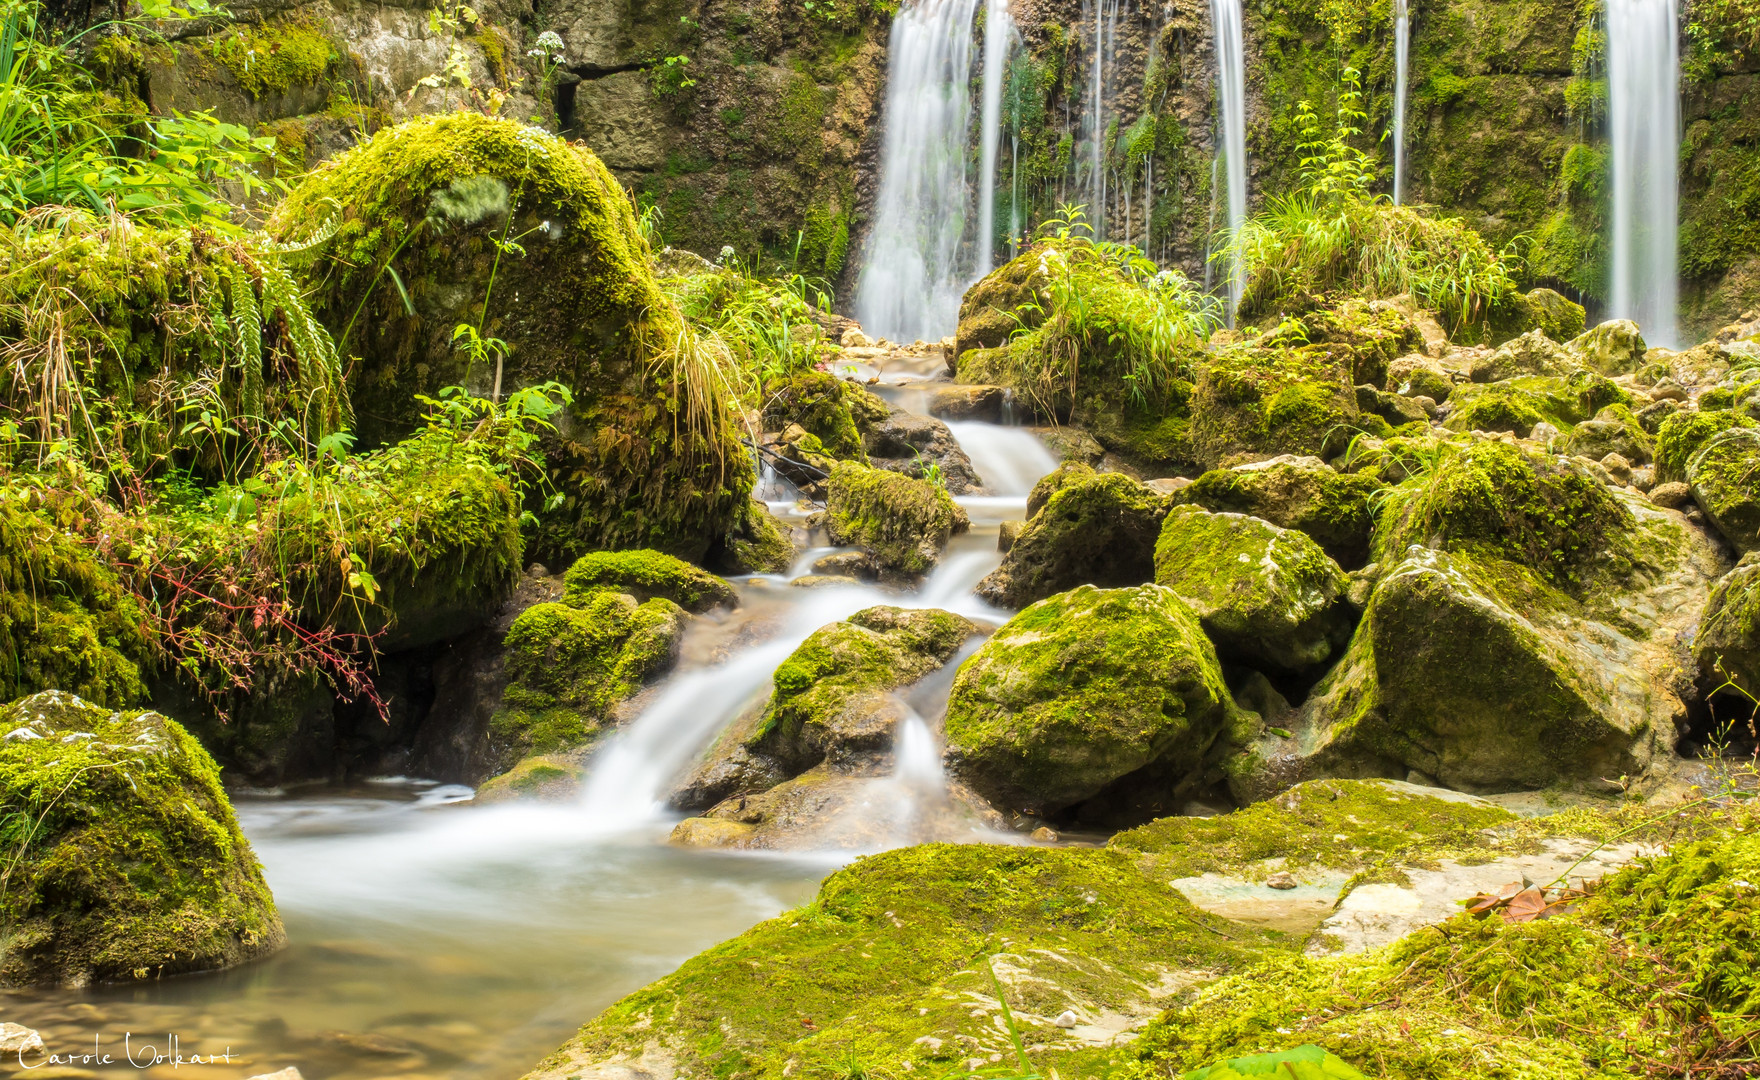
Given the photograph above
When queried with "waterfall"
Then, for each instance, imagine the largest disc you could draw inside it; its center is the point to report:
(1231, 95)
(1643, 117)
(998, 30)
(912, 281)
(1401, 46)
(1097, 127)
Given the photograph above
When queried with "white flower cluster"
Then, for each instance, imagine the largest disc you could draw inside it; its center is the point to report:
(549, 46)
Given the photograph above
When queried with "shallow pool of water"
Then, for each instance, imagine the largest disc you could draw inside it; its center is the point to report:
(425, 940)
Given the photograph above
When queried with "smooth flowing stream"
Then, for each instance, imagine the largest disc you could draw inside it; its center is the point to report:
(1231, 100)
(1643, 119)
(433, 937)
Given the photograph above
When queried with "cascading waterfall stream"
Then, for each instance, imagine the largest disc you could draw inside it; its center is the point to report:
(1643, 119)
(913, 277)
(1231, 95)
(1401, 48)
(998, 35)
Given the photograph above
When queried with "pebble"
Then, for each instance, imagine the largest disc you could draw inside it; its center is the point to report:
(18, 1039)
(1282, 880)
(1065, 1019)
(1045, 834)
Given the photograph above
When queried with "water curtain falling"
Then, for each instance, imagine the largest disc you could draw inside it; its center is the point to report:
(1231, 95)
(1643, 118)
(914, 276)
(998, 34)
(1401, 47)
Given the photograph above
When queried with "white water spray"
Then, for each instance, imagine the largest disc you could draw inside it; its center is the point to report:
(1231, 96)
(912, 280)
(1401, 48)
(998, 33)
(1643, 117)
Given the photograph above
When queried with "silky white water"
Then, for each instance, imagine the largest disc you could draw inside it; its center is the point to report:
(1009, 460)
(1231, 98)
(1643, 120)
(914, 275)
(1401, 47)
(998, 35)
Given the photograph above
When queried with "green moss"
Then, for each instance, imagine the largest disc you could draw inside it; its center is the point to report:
(1269, 398)
(760, 544)
(1499, 407)
(127, 861)
(903, 522)
(1723, 474)
(570, 664)
(646, 575)
(889, 967)
(1329, 506)
(816, 689)
(66, 622)
(1093, 528)
(1681, 436)
(825, 407)
(273, 58)
(1083, 689)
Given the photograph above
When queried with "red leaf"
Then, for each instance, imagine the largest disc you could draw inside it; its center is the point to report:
(1525, 906)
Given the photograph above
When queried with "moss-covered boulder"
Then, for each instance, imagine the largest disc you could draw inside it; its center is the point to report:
(1082, 690)
(1265, 595)
(646, 575)
(833, 411)
(832, 697)
(1501, 648)
(570, 664)
(992, 309)
(124, 860)
(1295, 493)
(1616, 347)
(757, 544)
(1376, 333)
(1724, 473)
(1531, 354)
(1613, 430)
(648, 454)
(66, 623)
(1094, 529)
(1517, 404)
(1726, 648)
(1273, 399)
(1681, 435)
(898, 959)
(904, 523)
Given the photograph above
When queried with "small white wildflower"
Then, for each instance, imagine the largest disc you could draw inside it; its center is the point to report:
(726, 252)
(550, 41)
(1284, 1031)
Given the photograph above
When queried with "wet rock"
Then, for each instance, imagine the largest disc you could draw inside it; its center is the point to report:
(1614, 348)
(646, 575)
(1672, 495)
(1652, 416)
(919, 446)
(759, 544)
(1044, 834)
(1283, 879)
(1080, 691)
(1006, 534)
(141, 873)
(824, 810)
(985, 403)
(1295, 493)
(1396, 409)
(547, 777)
(1264, 595)
(1723, 474)
(846, 564)
(1727, 646)
(1419, 376)
(991, 310)
(903, 522)
(832, 411)
(1614, 430)
(1071, 444)
(18, 1040)
(1096, 528)
(1618, 468)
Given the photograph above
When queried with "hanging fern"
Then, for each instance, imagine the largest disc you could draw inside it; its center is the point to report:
(247, 341)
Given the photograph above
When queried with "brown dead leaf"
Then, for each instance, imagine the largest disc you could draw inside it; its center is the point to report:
(1525, 906)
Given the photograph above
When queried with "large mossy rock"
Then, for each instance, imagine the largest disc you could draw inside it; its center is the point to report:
(647, 575)
(1522, 634)
(1517, 404)
(1265, 595)
(758, 543)
(124, 860)
(66, 622)
(1724, 474)
(902, 522)
(1296, 493)
(1613, 430)
(570, 664)
(1275, 399)
(832, 411)
(1616, 347)
(1726, 648)
(832, 698)
(1531, 354)
(993, 308)
(1080, 691)
(1681, 436)
(647, 455)
(1093, 529)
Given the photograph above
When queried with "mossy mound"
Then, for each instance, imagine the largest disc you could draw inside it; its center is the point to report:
(1275, 399)
(650, 457)
(1613, 430)
(831, 410)
(1724, 474)
(1265, 595)
(66, 623)
(1517, 404)
(1653, 972)
(758, 544)
(1727, 647)
(1082, 690)
(570, 664)
(994, 307)
(1531, 354)
(832, 695)
(902, 522)
(1615, 347)
(1377, 334)
(891, 966)
(1682, 434)
(1093, 529)
(127, 861)
(646, 575)
(1295, 493)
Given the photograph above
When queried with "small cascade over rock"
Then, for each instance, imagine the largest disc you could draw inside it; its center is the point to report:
(1643, 82)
